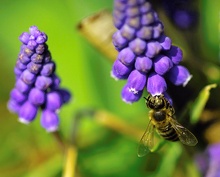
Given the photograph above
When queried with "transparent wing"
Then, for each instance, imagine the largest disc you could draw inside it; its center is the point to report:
(185, 136)
(147, 141)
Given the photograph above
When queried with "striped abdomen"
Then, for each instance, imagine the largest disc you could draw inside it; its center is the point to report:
(168, 132)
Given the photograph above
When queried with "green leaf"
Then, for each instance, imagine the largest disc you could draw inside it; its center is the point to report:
(200, 103)
(169, 160)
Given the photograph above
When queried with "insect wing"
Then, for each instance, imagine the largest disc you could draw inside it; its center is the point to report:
(185, 136)
(147, 141)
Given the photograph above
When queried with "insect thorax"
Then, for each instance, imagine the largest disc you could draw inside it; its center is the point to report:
(159, 115)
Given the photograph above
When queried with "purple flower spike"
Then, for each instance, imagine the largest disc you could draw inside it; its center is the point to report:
(146, 55)
(120, 71)
(136, 81)
(143, 64)
(54, 101)
(37, 85)
(179, 75)
(128, 95)
(49, 120)
(126, 56)
(162, 64)
(27, 112)
(156, 84)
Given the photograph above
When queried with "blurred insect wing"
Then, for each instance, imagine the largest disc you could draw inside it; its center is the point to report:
(147, 141)
(185, 136)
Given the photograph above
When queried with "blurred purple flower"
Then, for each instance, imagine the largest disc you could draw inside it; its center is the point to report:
(37, 86)
(146, 55)
(181, 12)
(208, 161)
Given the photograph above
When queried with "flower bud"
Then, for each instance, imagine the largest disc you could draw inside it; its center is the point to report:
(24, 37)
(128, 95)
(126, 56)
(120, 71)
(28, 77)
(143, 64)
(54, 101)
(36, 96)
(48, 69)
(27, 112)
(119, 41)
(136, 81)
(18, 96)
(49, 120)
(179, 75)
(175, 54)
(162, 64)
(153, 49)
(128, 32)
(165, 42)
(156, 84)
(138, 46)
(43, 82)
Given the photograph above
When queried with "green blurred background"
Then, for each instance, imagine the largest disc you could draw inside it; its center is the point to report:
(102, 152)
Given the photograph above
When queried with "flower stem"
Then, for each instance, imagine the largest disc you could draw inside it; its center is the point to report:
(70, 161)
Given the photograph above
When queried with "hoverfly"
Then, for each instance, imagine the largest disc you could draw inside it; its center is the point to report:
(162, 119)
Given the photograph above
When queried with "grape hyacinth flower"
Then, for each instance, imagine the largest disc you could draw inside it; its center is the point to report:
(146, 55)
(37, 85)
